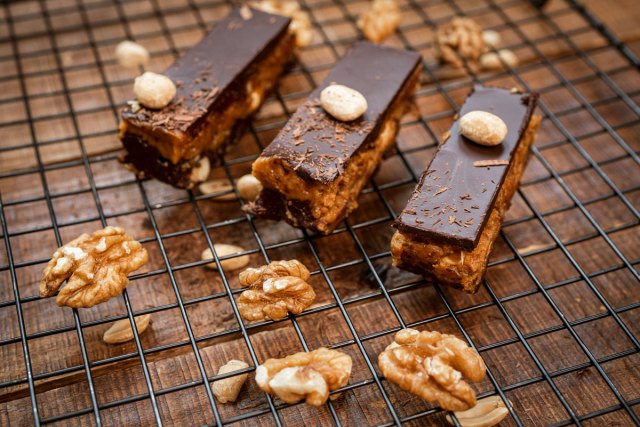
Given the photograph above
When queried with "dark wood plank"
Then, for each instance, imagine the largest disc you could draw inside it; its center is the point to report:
(369, 312)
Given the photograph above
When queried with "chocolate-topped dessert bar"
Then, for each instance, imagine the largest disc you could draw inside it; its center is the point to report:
(314, 170)
(453, 217)
(220, 82)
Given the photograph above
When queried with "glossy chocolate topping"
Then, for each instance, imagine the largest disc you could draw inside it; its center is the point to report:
(454, 197)
(205, 74)
(316, 145)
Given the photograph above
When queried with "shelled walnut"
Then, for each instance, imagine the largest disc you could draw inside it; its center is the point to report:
(460, 39)
(248, 187)
(497, 60)
(300, 22)
(96, 265)
(154, 91)
(131, 54)
(310, 376)
(432, 366)
(380, 21)
(255, 276)
(225, 249)
(275, 290)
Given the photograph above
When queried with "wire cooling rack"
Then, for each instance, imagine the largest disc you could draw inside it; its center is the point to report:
(556, 321)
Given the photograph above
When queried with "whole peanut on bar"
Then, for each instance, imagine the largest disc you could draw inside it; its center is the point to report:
(343, 103)
(483, 128)
(154, 90)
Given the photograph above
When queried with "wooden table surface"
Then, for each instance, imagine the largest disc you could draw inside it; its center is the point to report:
(561, 287)
(620, 16)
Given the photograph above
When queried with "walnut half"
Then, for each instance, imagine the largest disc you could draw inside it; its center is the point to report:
(275, 290)
(380, 21)
(459, 39)
(310, 376)
(432, 366)
(96, 265)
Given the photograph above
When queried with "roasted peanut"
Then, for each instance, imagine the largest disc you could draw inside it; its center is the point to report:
(223, 249)
(201, 171)
(496, 60)
(483, 128)
(342, 102)
(218, 186)
(227, 390)
(248, 187)
(153, 90)
(491, 38)
(130, 54)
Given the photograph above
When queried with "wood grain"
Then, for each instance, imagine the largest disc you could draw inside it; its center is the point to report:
(620, 16)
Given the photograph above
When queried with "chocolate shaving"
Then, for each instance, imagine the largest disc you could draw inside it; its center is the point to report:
(440, 190)
(211, 94)
(489, 163)
(318, 127)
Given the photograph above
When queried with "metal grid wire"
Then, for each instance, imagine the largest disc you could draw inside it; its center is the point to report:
(374, 262)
